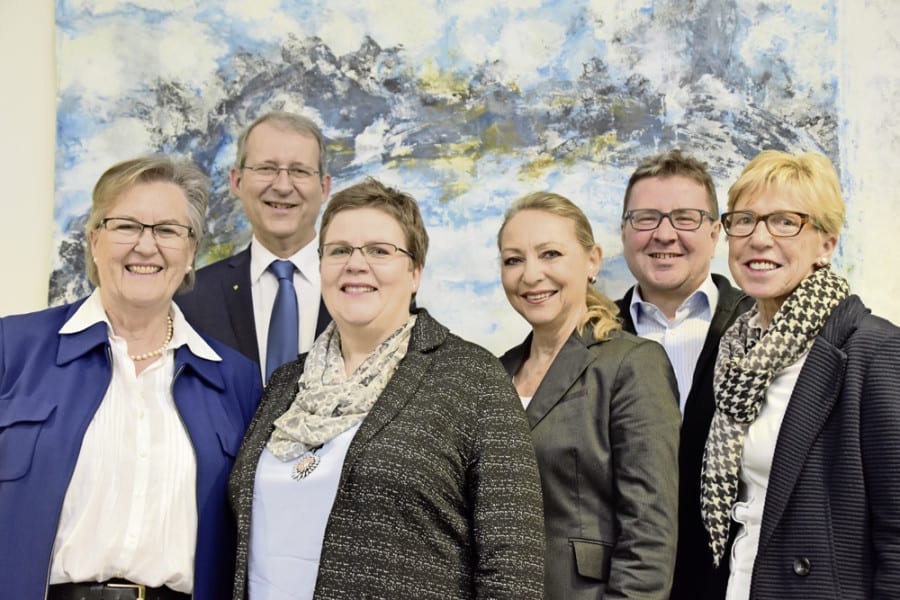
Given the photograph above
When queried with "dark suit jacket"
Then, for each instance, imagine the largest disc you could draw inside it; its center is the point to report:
(831, 522)
(694, 566)
(605, 426)
(439, 496)
(221, 305)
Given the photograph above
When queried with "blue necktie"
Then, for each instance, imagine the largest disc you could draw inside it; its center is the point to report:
(282, 340)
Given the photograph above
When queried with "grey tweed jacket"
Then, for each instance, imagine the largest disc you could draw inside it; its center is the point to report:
(439, 496)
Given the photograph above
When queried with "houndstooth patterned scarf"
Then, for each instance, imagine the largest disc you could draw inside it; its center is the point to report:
(328, 402)
(748, 360)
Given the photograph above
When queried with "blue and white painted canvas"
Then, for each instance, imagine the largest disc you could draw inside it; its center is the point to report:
(465, 104)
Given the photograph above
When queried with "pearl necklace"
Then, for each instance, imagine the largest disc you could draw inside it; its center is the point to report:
(161, 349)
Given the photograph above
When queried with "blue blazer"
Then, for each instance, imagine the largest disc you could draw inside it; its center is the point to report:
(221, 305)
(50, 388)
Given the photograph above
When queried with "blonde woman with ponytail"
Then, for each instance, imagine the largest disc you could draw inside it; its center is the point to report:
(603, 409)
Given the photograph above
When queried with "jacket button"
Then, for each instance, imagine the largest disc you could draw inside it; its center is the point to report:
(802, 566)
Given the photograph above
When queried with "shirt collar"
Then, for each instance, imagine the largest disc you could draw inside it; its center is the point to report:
(703, 300)
(306, 260)
(92, 312)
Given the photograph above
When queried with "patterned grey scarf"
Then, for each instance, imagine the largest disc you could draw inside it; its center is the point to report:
(748, 360)
(328, 402)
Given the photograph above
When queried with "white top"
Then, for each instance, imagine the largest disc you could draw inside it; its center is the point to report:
(526, 400)
(288, 522)
(756, 464)
(684, 336)
(130, 510)
(264, 287)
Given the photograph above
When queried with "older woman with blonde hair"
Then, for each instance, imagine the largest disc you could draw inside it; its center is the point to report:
(118, 422)
(800, 485)
(603, 409)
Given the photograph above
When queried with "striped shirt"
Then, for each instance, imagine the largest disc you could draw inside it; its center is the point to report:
(682, 337)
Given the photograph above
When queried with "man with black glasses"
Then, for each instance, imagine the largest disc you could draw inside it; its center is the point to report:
(670, 228)
(266, 300)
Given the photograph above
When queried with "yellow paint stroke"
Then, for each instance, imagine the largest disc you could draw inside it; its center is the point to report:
(453, 172)
(216, 252)
(432, 80)
(501, 137)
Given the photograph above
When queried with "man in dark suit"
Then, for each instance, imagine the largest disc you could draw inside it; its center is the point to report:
(281, 180)
(670, 228)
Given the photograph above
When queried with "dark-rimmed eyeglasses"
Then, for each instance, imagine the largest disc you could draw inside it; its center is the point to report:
(783, 223)
(270, 172)
(128, 231)
(682, 219)
(374, 253)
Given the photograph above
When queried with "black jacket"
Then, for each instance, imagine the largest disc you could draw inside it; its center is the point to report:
(221, 305)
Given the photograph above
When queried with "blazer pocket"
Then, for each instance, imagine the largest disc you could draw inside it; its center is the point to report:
(230, 442)
(19, 432)
(225, 425)
(592, 558)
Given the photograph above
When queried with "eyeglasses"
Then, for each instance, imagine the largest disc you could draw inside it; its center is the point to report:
(270, 172)
(128, 231)
(682, 219)
(784, 223)
(374, 253)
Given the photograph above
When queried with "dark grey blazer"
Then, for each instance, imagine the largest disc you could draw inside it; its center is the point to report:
(831, 523)
(605, 426)
(221, 305)
(693, 565)
(439, 496)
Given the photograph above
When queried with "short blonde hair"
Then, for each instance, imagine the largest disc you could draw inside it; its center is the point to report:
(601, 311)
(148, 169)
(810, 175)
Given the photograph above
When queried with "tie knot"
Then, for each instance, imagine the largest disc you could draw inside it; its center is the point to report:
(283, 269)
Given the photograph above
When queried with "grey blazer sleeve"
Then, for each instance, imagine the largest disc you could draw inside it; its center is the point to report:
(644, 431)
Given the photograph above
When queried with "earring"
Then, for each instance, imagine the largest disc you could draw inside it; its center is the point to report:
(822, 261)
(592, 279)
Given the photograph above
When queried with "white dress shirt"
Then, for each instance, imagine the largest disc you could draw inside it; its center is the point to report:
(264, 287)
(684, 336)
(756, 464)
(288, 522)
(130, 510)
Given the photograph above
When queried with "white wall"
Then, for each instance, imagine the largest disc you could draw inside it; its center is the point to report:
(28, 123)
(870, 126)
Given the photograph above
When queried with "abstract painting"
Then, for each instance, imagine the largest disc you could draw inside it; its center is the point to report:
(464, 104)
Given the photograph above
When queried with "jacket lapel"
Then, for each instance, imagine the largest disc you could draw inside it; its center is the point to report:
(625, 311)
(402, 387)
(238, 300)
(567, 367)
(810, 406)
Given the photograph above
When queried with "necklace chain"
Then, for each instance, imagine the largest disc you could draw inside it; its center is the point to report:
(169, 332)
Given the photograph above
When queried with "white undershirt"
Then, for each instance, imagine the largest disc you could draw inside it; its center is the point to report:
(130, 510)
(288, 522)
(264, 287)
(756, 465)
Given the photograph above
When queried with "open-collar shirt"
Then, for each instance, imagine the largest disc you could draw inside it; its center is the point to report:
(130, 509)
(684, 336)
